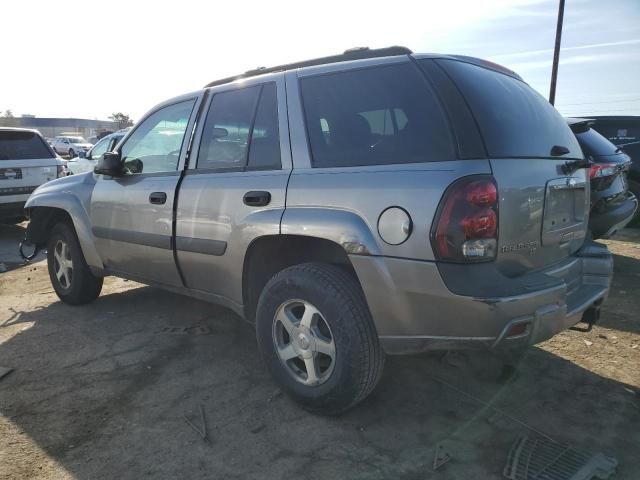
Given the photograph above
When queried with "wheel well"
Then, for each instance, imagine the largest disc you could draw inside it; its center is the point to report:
(42, 220)
(268, 255)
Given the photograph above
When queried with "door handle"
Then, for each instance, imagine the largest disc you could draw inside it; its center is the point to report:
(257, 198)
(157, 198)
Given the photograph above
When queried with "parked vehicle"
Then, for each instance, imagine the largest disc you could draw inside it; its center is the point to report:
(87, 162)
(70, 146)
(370, 203)
(618, 129)
(612, 205)
(26, 162)
(633, 176)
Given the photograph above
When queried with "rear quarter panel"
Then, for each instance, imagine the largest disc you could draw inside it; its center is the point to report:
(368, 191)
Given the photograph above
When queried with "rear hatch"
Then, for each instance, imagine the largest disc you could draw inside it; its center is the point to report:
(26, 162)
(543, 195)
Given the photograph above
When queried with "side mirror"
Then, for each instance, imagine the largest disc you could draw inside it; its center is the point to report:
(219, 132)
(110, 164)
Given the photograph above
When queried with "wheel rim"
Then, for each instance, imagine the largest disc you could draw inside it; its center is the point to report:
(62, 264)
(304, 342)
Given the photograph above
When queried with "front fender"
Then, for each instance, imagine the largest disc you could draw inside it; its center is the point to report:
(340, 226)
(71, 204)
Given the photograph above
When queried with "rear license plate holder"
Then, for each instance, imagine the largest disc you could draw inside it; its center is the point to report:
(565, 206)
(10, 173)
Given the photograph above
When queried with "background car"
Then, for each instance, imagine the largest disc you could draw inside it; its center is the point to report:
(618, 129)
(612, 205)
(86, 162)
(26, 162)
(70, 146)
(633, 176)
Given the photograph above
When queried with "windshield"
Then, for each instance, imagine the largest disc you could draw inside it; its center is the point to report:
(77, 140)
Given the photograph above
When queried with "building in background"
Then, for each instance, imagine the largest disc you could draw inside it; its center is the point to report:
(51, 127)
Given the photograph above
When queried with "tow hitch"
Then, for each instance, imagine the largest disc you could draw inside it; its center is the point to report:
(590, 317)
(26, 242)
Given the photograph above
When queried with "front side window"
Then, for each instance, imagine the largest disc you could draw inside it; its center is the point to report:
(375, 116)
(155, 145)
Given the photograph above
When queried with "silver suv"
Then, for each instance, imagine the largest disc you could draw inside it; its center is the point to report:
(375, 202)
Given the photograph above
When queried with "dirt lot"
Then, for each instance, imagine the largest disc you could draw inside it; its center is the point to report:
(100, 391)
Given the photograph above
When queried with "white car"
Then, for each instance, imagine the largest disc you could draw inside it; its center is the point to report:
(26, 162)
(70, 146)
(86, 163)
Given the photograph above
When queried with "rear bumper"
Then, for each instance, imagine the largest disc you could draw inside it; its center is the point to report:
(605, 222)
(12, 209)
(415, 311)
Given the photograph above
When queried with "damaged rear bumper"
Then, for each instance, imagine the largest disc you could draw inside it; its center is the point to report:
(415, 310)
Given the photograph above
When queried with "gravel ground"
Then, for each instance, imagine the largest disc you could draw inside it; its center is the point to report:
(101, 391)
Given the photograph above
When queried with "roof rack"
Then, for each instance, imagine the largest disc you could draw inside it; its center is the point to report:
(352, 54)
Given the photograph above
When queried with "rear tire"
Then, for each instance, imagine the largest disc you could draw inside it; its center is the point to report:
(70, 275)
(72, 154)
(329, 333)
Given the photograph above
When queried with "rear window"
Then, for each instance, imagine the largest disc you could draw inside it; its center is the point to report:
(374, 116)
(515, 120)
(23, 146)
(619, 131)
(594, 144)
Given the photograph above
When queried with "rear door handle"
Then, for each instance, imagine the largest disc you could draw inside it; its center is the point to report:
(157, 198)
(257, 198)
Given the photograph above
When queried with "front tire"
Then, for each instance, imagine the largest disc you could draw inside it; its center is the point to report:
(72, 154)
(317, 337)
(70, 275)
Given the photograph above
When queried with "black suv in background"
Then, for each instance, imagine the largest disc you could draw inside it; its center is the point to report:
(612, 206)
(633, 176)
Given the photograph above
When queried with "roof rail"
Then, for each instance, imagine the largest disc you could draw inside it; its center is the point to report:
(348, 55)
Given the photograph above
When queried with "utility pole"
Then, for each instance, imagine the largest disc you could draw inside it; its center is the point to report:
(556, 54)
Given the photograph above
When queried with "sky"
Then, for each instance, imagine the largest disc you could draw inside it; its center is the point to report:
(89, 59)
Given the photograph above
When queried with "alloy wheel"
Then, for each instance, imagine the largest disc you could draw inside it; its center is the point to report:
(304, 342)
(62, 264)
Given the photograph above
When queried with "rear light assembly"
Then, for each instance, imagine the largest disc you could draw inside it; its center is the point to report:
(60, 171)
(598, 170)
(466, 226)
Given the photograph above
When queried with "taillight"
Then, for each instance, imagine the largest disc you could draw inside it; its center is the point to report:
(466, 227)
(602, 170)
(60, 171)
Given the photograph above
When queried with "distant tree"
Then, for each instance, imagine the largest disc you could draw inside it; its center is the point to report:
(8, 120)
(121, 119)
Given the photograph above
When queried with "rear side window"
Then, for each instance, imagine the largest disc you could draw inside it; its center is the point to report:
(225, 138)
(241, 130)
(515, 121)
(594, 144)
(16, 145)
(264, 151)
(375, 116)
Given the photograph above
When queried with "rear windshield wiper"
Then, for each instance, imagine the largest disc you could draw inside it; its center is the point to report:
(569, 167)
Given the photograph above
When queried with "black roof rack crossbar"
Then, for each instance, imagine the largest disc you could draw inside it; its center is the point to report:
(348, 55)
